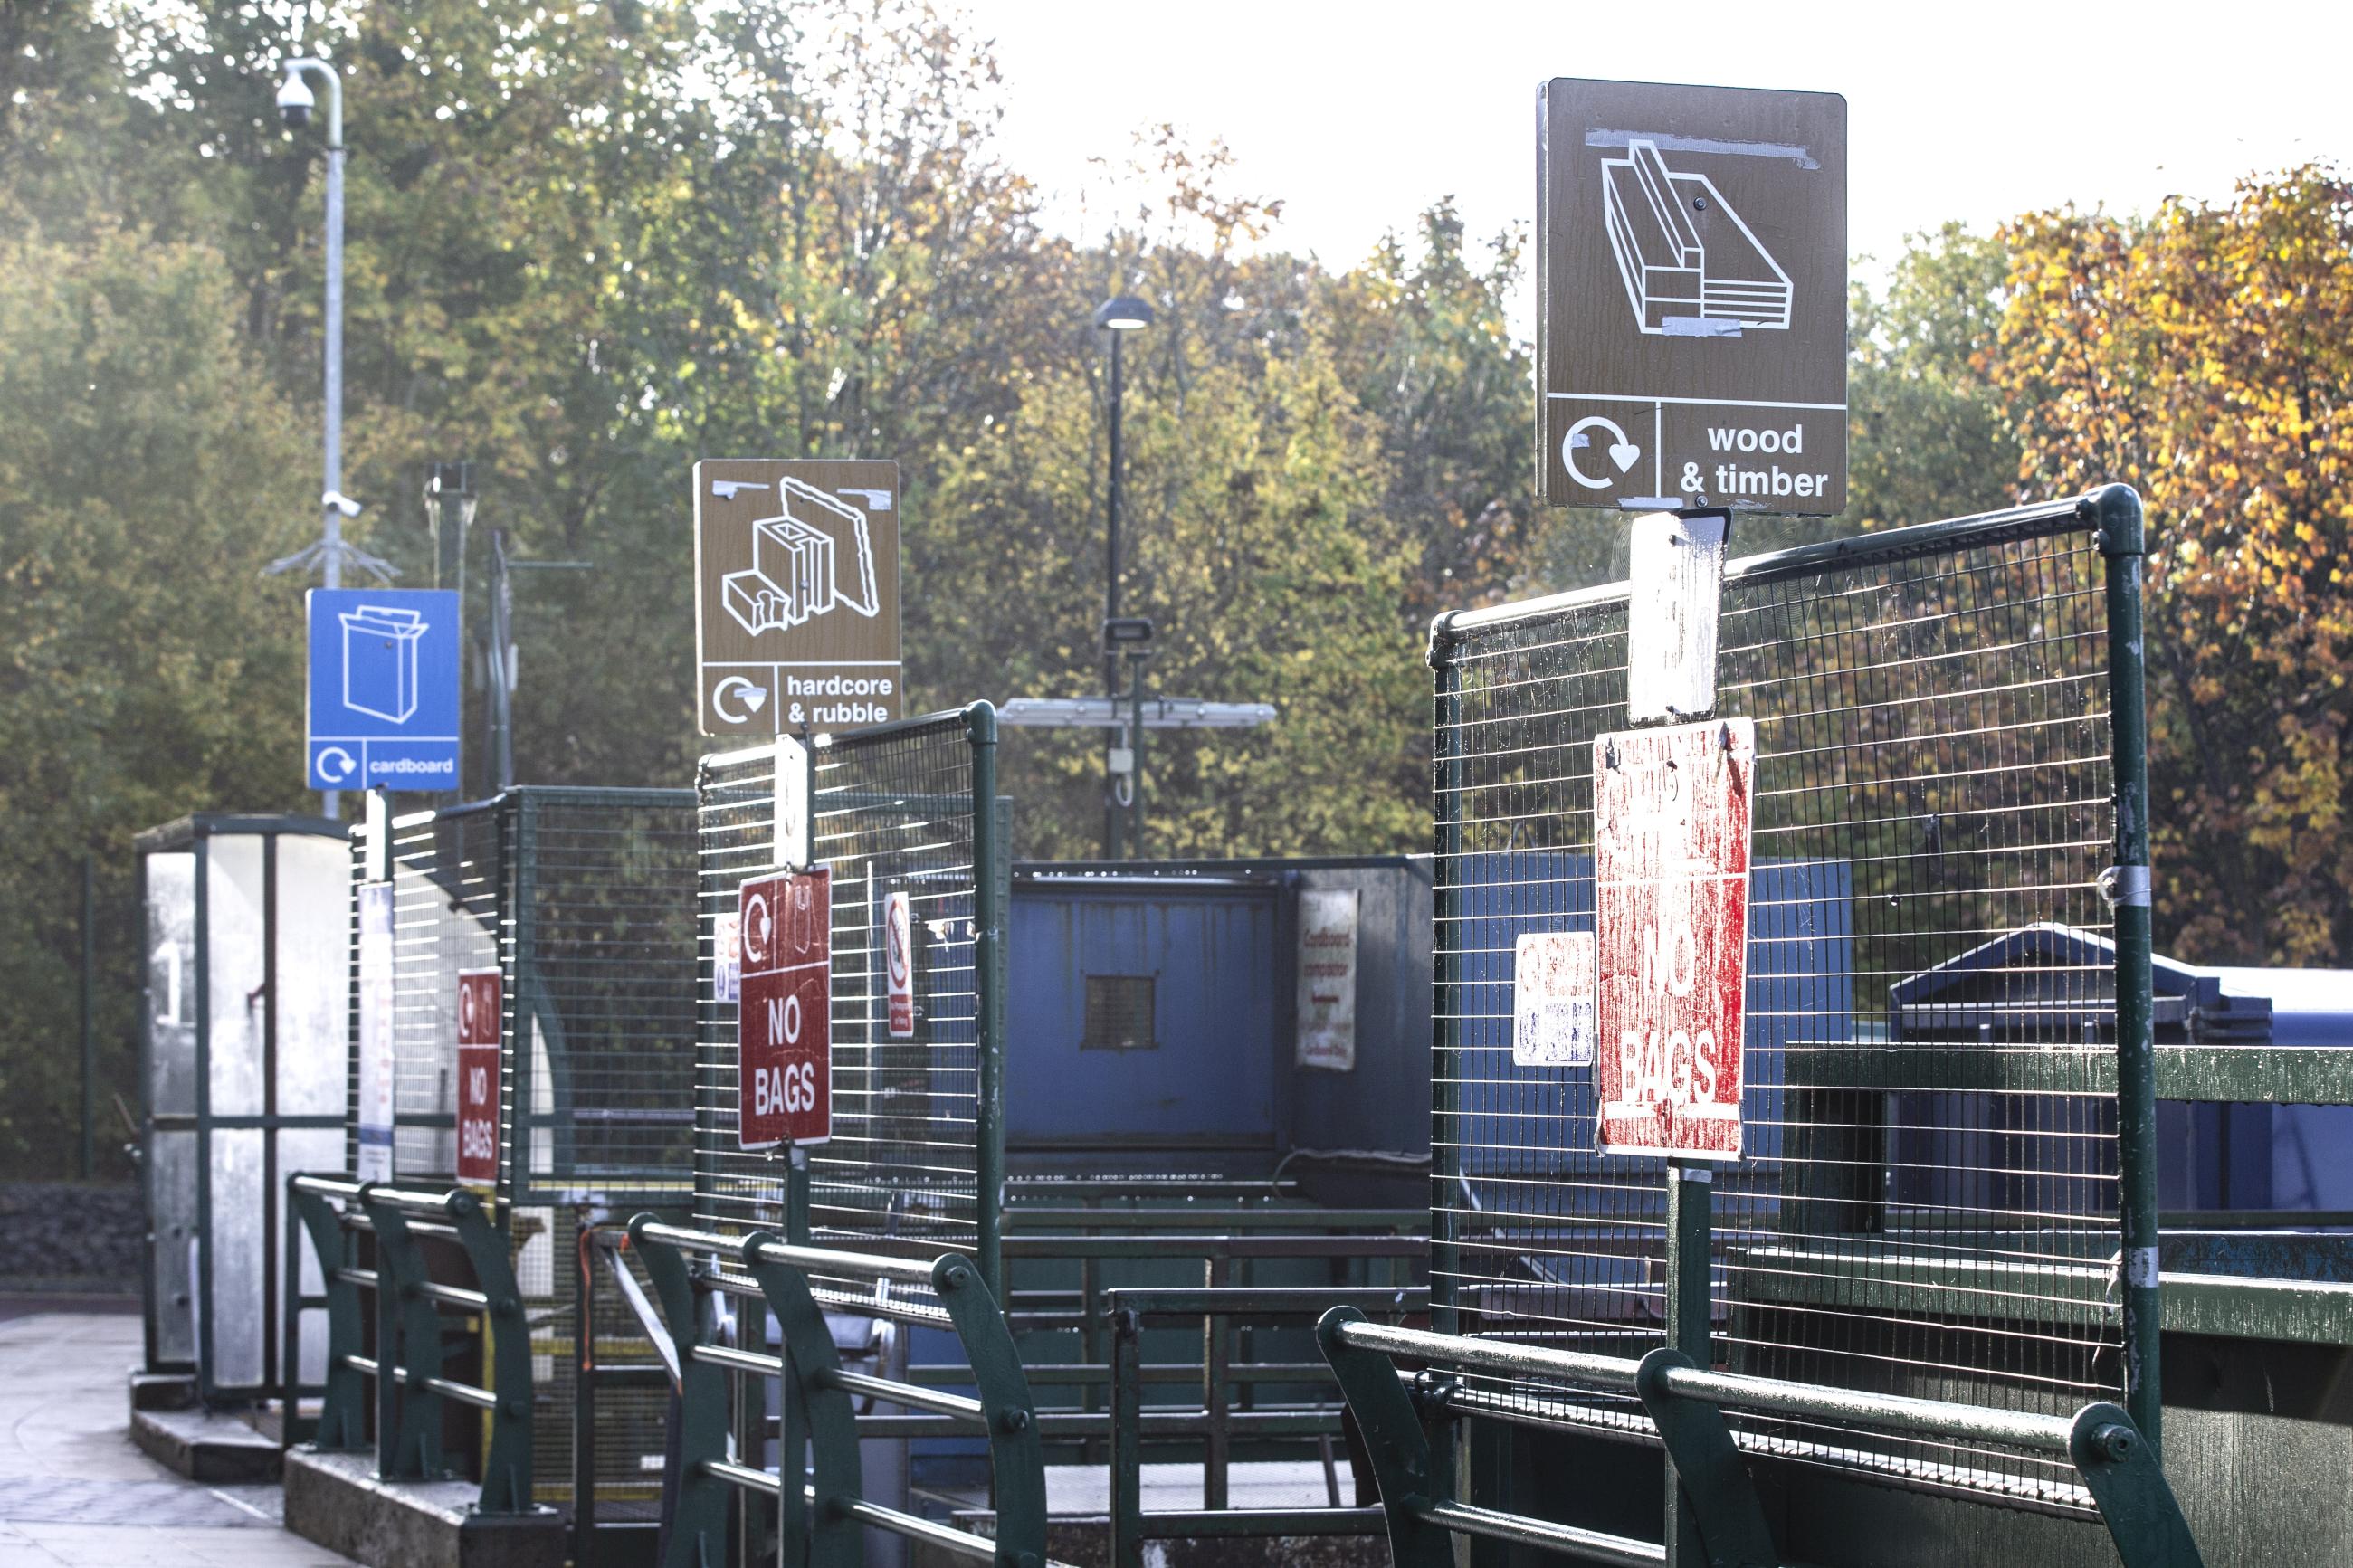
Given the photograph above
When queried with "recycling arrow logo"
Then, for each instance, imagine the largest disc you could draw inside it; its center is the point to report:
(1622, 452)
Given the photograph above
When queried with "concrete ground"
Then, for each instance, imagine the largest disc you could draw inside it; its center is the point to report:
(73, 1490)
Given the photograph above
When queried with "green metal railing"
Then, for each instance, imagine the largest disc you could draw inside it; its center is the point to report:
(819, 1522)
(408, 1368)
(1687, 1403)
(1217, 1309)
(1950, 753)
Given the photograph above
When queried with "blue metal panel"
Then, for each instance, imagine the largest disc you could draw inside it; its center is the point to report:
(1208, 1082)
(1799, 990)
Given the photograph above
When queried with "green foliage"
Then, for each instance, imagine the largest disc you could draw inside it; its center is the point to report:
(144, 470)
(591, 244)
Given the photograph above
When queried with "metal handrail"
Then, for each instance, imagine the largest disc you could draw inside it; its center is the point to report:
(1687, 1404)
(760, 1246)
(1127, 1309)
(817, 1415)
(406, 1370)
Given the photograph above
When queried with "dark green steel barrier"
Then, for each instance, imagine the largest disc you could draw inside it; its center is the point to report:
(821, 1521)
(411, 1392)
(1216, 1309)
(1687, 1403)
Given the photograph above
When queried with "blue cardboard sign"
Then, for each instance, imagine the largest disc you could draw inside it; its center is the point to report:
(384, 700)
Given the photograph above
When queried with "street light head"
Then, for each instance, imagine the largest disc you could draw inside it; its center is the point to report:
(295, 99)
(1125, 314)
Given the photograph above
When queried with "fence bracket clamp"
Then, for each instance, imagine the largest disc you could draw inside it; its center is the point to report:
(2125, 886)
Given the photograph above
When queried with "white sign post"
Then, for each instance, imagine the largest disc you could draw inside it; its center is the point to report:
(376, 1101)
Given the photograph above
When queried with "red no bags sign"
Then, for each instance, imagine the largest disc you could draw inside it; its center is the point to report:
(1672, 810)
(785, 1017)
(480, 1001)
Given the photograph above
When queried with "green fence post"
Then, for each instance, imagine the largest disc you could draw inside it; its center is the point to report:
(2123, 543)
(1446, 770)
(696, 1533)
(1691, 1224)
(1126, 1440)
(992, 890)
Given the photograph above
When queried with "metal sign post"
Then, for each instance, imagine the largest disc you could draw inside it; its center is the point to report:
(796, 595)
(1691, 305)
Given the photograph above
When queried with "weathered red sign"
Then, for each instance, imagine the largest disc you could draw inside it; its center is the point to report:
(899, 964)
(1672, 812)
(481, 1000)
(784, 1029)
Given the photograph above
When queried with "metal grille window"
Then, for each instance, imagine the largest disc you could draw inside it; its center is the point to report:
(1930, 1201)
(917, 1128)
(1119, 1015)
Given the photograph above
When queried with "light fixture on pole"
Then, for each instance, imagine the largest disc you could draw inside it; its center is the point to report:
(295, 103)
(1119, 316)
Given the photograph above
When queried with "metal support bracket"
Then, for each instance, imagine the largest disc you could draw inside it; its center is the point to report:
(343, 1409)
(694, 1530)
(1708, 1469)
(2120, 1467)
(506, 1345)
(408, 1353)
(1396, 1443)
(1017, 1460)
(835, 1538)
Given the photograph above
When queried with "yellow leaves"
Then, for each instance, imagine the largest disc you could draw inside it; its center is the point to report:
(2206, 354)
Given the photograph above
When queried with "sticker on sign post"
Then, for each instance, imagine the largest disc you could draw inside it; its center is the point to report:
(375, 1033)
(1673, 811)
(899, 965)
(783, 1028)
(480, 999)
(726, 956)
(1552, 1000)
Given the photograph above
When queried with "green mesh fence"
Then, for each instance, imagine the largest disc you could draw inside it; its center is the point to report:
(1930, 1204)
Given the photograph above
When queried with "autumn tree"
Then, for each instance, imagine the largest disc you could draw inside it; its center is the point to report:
(2205, 357)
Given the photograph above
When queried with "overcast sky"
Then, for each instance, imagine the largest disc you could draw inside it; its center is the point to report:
(1359, 114)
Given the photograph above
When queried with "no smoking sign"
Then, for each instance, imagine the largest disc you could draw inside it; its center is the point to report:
(784, 1016)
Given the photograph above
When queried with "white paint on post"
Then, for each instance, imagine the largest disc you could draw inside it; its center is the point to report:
(794, 846)
(1676, 581)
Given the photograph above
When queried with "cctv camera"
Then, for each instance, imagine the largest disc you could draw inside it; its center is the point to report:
(295, 100)
(341, 502)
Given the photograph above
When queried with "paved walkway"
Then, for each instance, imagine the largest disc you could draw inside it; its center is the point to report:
(73, 1490)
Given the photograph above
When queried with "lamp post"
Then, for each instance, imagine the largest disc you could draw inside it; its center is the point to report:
(1118, 316)
(295, 103)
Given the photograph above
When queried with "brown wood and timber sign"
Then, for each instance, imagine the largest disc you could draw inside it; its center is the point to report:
(1691, 307)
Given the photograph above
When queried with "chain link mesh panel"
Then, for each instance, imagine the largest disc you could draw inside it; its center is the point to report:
(1930, 1204)
(583, 901)
(891, 812)
(601, 983)
(449, 913)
